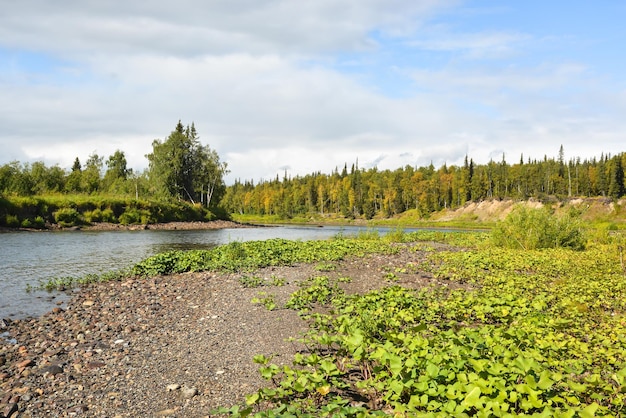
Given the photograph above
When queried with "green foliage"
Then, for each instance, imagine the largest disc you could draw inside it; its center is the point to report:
(538, 228)
(315, 291)
(67, 282)
(67, 217)
(37, 223)
(256, 281)
(101, 209)
(182, 168)
(100, 215)
(325, 267)
(529, 333)
(12, 221)
(242, 256)
(136, 216)
(265, 299)
(409, 195)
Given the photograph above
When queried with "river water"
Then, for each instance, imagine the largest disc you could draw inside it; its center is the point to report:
(29, 258)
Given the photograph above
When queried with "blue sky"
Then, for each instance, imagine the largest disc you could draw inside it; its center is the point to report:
(281, 85)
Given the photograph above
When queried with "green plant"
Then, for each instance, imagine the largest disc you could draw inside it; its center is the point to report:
(251, 281)
(67, 217)
(277, 281)
(530, 333)
(12, 221)
(136, 216)
(325, 267)
(530, 229)
(265, 299)
(315, 290)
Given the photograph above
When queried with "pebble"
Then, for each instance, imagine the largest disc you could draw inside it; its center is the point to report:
(126, 348)
(172, 387)
(189, 393)
(9, 410)
(25, 363)
(53, 369)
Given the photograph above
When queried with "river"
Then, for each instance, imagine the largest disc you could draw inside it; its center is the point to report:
(29, 258)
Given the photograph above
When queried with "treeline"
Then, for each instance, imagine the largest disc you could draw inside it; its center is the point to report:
(356, 192)
(180, 168)
(184, 181)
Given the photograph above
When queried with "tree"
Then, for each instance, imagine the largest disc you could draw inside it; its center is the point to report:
(181, 167)
(72, 183)
(91, 174)
(616, 179)
(117, 172)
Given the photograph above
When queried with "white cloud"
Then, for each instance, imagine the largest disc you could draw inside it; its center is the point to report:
(474, 45)
(259, 81)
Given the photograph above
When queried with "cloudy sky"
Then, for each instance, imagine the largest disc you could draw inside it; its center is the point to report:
(303, 86)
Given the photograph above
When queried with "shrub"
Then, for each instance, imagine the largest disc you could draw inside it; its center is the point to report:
(66, 217)
(136, 216)
(12, 221)
(37, 223)
(538, 228)
(93, 215)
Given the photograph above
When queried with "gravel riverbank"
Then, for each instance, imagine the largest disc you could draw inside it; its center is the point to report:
(174, 346)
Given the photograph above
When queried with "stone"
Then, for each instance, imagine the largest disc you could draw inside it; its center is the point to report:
(9, 410)
(25, 363)
(88, 303)
(166, 412)
(172, 387)
(189, 393)
(95, 365)
(53, 369)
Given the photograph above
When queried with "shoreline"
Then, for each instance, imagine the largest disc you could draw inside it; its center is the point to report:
(177, 345)
(107, 226)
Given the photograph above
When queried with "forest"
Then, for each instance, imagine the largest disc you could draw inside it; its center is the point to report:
(183, 170)
(360, 193)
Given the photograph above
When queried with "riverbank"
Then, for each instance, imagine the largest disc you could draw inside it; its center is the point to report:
(172, 226)
(183, 226)
(177, 346)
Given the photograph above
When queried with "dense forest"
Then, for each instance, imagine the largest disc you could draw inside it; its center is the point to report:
(368, 193)
(182, 169)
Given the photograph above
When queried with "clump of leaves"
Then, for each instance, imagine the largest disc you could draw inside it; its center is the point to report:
(531, 229)
(265, 299)
(251, 281)
(316, 290)
(325, 267)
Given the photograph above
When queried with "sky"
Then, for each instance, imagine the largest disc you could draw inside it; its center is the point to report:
(295, 86)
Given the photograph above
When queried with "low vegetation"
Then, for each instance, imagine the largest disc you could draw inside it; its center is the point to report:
(76, 210)
(528, 332)
(531, 229)
(532, 333)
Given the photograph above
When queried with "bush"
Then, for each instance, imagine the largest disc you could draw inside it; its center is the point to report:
(66, 217)
(12, 221)
(136, 216)
(37, 223)
(531, 229)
